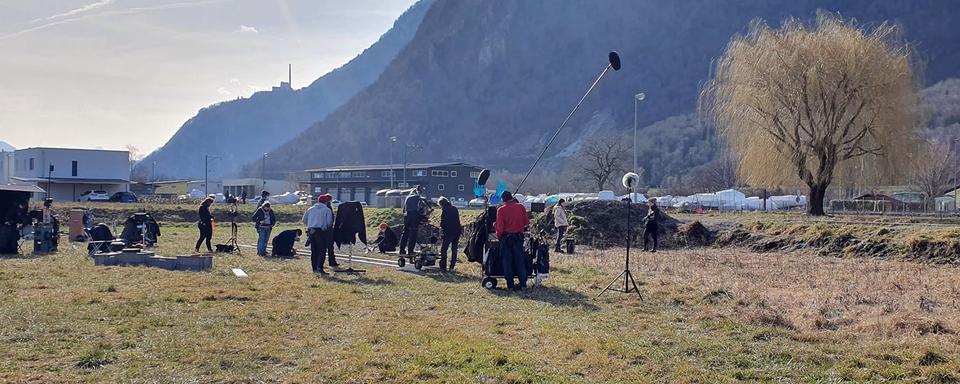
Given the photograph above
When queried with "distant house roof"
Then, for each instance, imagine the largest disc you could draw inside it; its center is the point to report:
(74, 149)
(69, 180)
(877, 196)
(21, 188)
(168, 182)
(390, 166)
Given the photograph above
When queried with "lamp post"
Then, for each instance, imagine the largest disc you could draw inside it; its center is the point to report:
(153, 175)
(263, 172)
(393, 139)
(206, 169)
(49, 176)
(956, 168)
(406, 149)
(636, 106)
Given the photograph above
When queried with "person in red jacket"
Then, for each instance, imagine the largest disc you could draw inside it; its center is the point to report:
(511, 221)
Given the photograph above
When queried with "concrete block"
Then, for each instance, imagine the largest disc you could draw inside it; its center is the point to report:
(109, 258)
(194, 263)
(131, 258)
(168, 263)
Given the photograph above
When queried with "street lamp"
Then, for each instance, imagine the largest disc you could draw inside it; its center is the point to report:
(393, 139)
(263, 167)
(154, 171)
(636, 106)
(206, 169)
(406, 148)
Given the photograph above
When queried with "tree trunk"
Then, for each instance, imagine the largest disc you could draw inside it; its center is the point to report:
(817, 193)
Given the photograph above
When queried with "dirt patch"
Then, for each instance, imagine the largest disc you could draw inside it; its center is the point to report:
(693, 234)
(602, 224)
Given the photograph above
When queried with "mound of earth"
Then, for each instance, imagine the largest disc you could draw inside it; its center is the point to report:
(603, 224)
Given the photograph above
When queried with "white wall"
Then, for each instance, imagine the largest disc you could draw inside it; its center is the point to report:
(91, 163)
(6, 166)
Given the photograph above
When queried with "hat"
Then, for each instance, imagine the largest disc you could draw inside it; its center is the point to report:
(323, 198)
(384, 226)
(266, 203)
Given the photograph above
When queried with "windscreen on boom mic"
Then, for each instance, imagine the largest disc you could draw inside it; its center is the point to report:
(630, 179)
(614, 58)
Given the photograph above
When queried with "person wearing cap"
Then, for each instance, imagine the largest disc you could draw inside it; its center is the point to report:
(264, 219)
(319, 221)
(511, 222)
(264, 198)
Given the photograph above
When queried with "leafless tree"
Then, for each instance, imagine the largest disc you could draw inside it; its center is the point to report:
(797, 104)
(931, 170)
(600, 159)
(719, 174)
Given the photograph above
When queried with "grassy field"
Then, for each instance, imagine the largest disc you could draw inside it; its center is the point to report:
(707, 315)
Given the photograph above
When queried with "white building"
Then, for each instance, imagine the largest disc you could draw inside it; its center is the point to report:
(66, 173)
(253, 186)
(6, 166)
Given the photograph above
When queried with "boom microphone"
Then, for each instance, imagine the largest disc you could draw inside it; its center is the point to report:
(613, 60)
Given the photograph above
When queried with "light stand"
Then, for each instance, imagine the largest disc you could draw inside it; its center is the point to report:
(629, 284)
(350, 270)
(233, 229)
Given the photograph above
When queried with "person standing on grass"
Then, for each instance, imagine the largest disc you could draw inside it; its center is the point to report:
(319, 220)
(451, 228)
(650, 226)
(243, 197)
(264, 219)
(331, 256)
(413, 208)
(205, 224)
(560, 221)
(511, 221)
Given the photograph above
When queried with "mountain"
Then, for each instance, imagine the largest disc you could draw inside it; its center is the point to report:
(489, 82)
(6, 147)
(235, 130)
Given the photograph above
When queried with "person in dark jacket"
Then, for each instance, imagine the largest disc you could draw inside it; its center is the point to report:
(413, 208)
(349, 224)
(386, 239)
(451, 229)
(330, 235)
(243, 197)
(283, 243)
(264, 220)
(205, 224)
(651, 228)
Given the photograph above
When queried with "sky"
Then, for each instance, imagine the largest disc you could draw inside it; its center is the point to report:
(118, 73)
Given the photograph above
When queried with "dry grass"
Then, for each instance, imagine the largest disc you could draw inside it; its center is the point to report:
(707, 316)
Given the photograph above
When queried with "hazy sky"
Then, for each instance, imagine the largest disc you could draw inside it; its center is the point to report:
(108, 73)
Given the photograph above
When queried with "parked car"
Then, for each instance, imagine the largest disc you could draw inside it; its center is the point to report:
(94, 196)
(124, 197)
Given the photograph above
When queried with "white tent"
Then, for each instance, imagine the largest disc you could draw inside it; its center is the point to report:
(730, 199)
(786, 202)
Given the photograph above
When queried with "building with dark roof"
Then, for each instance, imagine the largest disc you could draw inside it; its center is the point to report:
(361, 182)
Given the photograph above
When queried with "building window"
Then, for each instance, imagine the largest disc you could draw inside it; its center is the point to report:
(453, 173)
(387, 173)
(73, 169)
(317, 190)
(419, 172)
(358, 174)
(460, 188)
(402, 185)
(317, 175)
(440, 187)
(439, 173)
(474, 175)
(31, 163)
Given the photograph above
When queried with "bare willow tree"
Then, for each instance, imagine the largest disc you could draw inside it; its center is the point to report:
(601, 158)
(931, 170)
(797, 104)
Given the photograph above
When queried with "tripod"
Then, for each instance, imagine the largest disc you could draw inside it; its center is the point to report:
(629, 284)
(233, 230)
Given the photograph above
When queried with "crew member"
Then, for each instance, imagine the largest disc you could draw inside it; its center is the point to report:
(511, 221)
(205, 224)
(451, 228)
(386, 239)
(331, 256)
(319, 220)
(51, 223)
(48, 214)
(283, 243)
(650, 228)
(265, 219)
(264, 198)
(560, 221)
(413, 215)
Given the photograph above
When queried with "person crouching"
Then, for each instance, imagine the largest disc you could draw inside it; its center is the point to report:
(283, 243)
(511, 221)
(264, 219)
(319, 221)
(386, 239)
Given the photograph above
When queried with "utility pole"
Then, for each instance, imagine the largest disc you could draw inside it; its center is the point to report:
(636, 106)
(206, 169)
(406, 149)
(263, 167)
(153, 176)
(393, 139)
